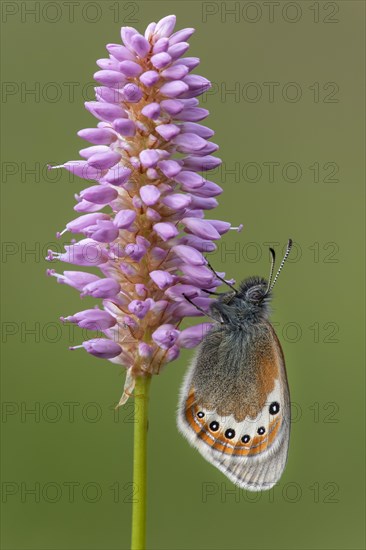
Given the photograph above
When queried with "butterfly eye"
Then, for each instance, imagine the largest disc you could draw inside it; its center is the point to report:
(214, 426)
(245, 438)
(274, 408)
(261, 430)
(255, 294)
(229, 434)
(200, 414)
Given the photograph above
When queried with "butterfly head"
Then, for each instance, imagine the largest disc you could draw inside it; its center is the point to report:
(251, 302)
(254, 292)
(248, 303)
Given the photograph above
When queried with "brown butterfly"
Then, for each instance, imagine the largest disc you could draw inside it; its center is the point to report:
(235, 402)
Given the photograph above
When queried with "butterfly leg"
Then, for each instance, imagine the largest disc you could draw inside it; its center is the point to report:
(221, 278)
(199, 308)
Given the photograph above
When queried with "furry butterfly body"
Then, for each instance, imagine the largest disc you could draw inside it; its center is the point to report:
(235, 403)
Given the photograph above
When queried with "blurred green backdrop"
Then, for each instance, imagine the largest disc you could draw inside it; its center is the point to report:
(287, 109)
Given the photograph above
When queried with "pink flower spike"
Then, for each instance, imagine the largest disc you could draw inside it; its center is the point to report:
(141, 215)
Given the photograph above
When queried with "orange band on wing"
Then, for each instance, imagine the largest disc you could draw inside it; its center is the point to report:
(218, 441)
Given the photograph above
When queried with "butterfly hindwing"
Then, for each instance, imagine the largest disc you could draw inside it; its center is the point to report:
(235, 405)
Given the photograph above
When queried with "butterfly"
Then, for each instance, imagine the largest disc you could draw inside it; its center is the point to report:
(235, 402)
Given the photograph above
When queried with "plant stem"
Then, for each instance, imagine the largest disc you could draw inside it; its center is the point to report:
(138, 539)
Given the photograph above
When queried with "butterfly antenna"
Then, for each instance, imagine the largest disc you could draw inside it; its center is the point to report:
(289, 246)
(273, 259)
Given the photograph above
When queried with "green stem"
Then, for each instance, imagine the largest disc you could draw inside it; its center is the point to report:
(138, 539)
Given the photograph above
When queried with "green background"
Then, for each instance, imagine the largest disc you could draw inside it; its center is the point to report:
(318, 306)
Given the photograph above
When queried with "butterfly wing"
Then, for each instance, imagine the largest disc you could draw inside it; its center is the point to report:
(235, 405)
